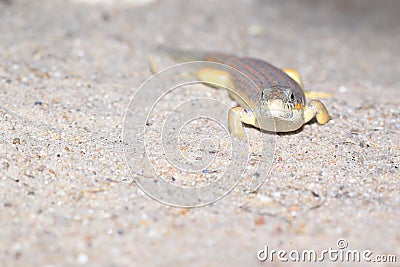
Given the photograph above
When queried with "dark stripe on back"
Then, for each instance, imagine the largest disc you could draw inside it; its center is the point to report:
(269, 78)
(263, 74)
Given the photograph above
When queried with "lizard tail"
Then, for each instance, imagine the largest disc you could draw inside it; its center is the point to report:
(183, 55)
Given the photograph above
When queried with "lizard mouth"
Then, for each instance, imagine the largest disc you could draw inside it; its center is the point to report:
(281, 114)
(280, 117)
(282, 110)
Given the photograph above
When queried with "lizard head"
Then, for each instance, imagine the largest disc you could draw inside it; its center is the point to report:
(280, 108)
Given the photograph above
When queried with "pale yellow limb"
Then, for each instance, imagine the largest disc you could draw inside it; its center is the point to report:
(318, 110)
(315, 108)
(153, 65)
(221, 79)
(235, 125)
(236, 117)
(294, 75)
(309, 94)
(317, 94)
(216, 78)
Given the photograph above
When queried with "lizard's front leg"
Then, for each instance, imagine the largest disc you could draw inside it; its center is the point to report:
(236, 117)
(318, 110)
(315, 108)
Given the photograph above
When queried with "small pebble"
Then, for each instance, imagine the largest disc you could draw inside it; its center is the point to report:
(16, 141)
(41, 168)
(6, 165)
(255, 30)
(82, 258)
(259, 221)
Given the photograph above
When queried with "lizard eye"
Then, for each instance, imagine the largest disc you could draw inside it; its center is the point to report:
(291, 97)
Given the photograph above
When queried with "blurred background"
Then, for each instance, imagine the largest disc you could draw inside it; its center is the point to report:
(68, 70)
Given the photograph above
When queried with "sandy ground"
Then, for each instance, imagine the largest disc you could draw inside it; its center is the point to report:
(68, 71)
